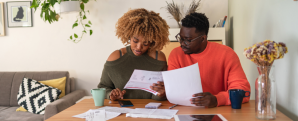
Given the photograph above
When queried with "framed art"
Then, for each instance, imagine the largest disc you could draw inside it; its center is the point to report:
(2, 27)
(19, 14)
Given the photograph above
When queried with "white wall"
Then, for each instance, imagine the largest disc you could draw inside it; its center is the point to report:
(256, 20)
(44, 47)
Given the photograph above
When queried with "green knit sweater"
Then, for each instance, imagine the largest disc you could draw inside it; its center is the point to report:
(117, 73)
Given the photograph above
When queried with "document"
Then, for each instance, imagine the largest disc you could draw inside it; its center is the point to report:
(181, 84)
(152, 113)
(97, 115)
(116, 109)
(141, 79)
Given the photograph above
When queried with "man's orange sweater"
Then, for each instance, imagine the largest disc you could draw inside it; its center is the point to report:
(220, 70)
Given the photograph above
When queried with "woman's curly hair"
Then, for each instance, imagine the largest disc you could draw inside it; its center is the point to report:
(147, 24)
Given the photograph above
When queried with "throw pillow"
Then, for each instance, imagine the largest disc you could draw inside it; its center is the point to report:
(35, 96)
(56, 83)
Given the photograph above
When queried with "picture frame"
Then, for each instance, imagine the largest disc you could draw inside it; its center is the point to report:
(19, 14)
(2, 25)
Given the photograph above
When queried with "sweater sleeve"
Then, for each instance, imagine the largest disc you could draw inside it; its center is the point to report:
(173, 60)
(106, 82)
(235, 77)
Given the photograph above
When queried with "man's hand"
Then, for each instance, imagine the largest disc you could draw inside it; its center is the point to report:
(204, 99)
(117, 94)
(160, 88)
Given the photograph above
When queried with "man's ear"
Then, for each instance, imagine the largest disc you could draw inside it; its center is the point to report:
(204, 38)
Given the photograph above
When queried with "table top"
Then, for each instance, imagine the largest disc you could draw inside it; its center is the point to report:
(246, 113)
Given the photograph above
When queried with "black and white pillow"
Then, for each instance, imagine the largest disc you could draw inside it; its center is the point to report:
(35, 96)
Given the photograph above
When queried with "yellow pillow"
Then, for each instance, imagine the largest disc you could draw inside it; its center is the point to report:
(56, 83)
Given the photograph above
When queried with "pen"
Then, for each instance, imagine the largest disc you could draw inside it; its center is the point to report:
(173, 106)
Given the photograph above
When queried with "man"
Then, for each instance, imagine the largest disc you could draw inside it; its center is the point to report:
(219, 65)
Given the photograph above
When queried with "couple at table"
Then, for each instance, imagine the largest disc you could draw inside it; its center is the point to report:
(147, 33)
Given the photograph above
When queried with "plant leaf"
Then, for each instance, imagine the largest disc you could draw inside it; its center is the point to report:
(82, 6)
(75, 35)
(59, 1)
(84, 31)
(87, 25)
(90, 22)
(91, 32)
(84, 17)
(75, 25)
(52, 2)
(85, 1)
(70, 37)
(76, 21)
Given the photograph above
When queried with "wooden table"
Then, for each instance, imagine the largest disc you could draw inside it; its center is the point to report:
(246, 113)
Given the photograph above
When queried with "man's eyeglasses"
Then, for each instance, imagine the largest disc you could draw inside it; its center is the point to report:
(187, 42)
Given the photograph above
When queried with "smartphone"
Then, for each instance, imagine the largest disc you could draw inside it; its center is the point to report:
(125, 103)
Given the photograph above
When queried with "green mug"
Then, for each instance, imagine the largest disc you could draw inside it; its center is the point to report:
(98, 96)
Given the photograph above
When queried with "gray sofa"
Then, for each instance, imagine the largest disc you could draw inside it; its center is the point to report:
(9, 87)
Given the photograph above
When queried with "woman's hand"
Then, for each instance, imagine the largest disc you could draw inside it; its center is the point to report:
(160, 88)
(117, 94)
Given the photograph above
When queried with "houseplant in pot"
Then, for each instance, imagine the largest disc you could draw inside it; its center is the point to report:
(50, 10)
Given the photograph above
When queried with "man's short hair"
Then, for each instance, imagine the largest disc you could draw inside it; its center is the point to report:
(197, 20)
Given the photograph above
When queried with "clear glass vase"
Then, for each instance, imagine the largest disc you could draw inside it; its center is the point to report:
(265, 93)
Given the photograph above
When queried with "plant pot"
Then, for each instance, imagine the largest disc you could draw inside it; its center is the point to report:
(67, 6)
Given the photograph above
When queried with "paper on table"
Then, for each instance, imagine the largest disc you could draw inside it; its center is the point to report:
(141, 79)
(96, 115)
(108, 115)
(182, 83)
(116, 109)
(152, 113)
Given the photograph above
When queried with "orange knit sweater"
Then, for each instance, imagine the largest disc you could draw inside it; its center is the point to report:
(220, 70)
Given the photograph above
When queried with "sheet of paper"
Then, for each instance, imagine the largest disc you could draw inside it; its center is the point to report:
(96, 115)
(141, 79)
(116, 109)
(152, 113)
(181, 84)
(108, 115)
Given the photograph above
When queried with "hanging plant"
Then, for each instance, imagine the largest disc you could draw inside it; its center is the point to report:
(48, 14)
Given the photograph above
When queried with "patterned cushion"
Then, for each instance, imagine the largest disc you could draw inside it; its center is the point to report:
(35, 96)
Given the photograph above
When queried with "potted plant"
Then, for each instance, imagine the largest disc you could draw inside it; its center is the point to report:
(50, 10)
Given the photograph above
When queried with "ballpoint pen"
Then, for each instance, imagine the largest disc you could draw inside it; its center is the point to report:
(173, 106)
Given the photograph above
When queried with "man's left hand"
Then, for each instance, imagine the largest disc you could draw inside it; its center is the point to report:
(204, 99)
(160, 88)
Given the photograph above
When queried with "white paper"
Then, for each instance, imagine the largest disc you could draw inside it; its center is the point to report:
(141, 79)
(182, 83)
(95, 115)
(87, 115)
(152, 113)
(116, 109)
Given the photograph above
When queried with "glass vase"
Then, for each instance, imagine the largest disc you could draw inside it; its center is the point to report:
(265, 93)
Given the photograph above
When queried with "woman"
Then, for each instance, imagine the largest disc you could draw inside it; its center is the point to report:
(147, 33)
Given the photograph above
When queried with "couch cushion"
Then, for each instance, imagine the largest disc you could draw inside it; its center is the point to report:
(38, 76)
(5, 87)
(35, 96)
(2, 108)
(10, 114)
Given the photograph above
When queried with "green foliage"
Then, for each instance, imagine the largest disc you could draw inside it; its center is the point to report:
(48, 14)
